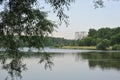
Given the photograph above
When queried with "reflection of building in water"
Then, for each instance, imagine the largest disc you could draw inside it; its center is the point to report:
(80, 35)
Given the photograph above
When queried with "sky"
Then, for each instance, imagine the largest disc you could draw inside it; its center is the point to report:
(84, 16)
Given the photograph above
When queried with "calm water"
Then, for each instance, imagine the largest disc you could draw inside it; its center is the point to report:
(60, 64)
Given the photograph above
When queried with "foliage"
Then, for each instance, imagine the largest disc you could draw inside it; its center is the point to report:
(101, 38)
(58, 6)
(116, 47)
(103, 45)
(92, 33)
(115, 39)
(21, 18)
(58, 42)
(88, 41)
(99, 3)
(47, 41)
(112, 34)
(104, 33)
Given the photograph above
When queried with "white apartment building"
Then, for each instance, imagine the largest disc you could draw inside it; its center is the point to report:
(80, 35)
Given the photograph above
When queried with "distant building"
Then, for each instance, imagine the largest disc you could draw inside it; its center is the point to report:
(80, 35)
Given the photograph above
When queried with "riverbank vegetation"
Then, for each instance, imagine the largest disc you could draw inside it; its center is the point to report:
(101, 39)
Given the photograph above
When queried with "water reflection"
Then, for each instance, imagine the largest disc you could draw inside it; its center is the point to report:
(13, 62)
(102, 60)
(46, 59)
(15, 66)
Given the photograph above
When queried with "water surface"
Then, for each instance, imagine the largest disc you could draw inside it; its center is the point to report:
(58, 64)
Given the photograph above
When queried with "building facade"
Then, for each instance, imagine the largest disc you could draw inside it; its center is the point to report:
(80, 35)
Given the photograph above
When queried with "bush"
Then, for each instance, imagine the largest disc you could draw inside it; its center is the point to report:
(115, 39)
(116, 47)
(103, 45)
(100, 46)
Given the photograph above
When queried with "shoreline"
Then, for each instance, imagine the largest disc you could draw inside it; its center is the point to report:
(80, 47)
(83, 47)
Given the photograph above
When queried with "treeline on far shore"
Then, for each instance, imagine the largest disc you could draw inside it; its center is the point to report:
(102, 38)
(59, 42)
(47, 42)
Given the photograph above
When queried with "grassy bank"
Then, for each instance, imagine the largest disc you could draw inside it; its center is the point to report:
(80, 47)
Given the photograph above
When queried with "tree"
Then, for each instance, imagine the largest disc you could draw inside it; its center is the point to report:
(116, 47)
(92, 33)
(115, 31)
(103, 45)
(115, 39)
(87, 41)
(20, 18)
(104, 33)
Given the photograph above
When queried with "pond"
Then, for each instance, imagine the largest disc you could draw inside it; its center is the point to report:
(61, 64)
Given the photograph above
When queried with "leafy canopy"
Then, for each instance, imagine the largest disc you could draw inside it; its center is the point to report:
(20, 20)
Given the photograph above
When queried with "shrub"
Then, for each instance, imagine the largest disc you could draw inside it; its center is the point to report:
(103, 44)
(100, 46)
(116, 47)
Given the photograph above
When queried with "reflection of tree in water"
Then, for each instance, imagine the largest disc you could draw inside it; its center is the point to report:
(46, 59)
(102, 60)
(12, 62)
(15, 67)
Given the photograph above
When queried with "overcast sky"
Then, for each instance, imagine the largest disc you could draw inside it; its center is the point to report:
(83, 16)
